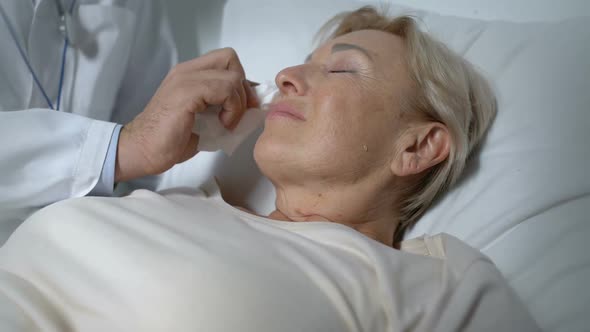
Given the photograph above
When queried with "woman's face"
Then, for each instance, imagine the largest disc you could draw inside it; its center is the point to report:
(337, 115)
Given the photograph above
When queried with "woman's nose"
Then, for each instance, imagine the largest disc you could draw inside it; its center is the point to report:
(291, 81)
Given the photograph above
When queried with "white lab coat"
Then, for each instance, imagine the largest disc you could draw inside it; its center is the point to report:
(45, 155)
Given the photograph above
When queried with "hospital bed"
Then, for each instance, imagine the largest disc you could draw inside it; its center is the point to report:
(524, 199)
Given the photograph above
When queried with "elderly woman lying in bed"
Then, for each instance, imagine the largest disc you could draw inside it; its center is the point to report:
(361, 140)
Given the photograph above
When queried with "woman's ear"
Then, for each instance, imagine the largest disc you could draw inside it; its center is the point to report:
(420, 148)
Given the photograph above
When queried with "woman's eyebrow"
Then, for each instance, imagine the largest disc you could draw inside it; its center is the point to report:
(344, 47)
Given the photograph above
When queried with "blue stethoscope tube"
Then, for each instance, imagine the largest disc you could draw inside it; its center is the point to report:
(26, 60)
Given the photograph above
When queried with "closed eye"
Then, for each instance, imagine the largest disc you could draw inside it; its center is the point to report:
(341, 71)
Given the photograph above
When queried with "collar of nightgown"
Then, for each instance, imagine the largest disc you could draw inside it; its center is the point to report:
(432, 246)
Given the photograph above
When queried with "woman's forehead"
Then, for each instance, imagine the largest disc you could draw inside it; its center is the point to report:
(376, 43)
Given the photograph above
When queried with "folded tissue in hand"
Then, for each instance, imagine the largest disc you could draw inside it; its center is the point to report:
(214, 136)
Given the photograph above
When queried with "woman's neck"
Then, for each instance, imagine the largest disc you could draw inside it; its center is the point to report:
(365, 206)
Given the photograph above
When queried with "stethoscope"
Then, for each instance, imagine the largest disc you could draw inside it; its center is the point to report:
(64, 27)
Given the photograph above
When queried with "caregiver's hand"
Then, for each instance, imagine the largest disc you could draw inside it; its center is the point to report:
(161, 136)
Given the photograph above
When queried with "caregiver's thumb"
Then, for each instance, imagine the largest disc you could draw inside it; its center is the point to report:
(161, 136)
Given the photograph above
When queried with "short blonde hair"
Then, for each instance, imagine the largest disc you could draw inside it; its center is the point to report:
(448, 90)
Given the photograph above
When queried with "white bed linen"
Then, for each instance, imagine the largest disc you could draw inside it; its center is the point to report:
(189, 261)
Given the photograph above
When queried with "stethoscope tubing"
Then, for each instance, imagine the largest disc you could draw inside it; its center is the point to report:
(30, 67)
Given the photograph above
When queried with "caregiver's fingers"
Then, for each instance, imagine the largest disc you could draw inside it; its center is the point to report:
(220, 87)
(252, 98)
(210, 87)
(220, 59)
(223, 58)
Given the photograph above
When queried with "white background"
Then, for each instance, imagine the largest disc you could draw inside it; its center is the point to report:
(196, 23)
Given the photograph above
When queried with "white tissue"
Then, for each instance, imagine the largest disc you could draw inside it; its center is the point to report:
(212, 134)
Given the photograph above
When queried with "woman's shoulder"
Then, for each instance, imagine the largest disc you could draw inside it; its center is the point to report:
(458, 255)
(480, 292)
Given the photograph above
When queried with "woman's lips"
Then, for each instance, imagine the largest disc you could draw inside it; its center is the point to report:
(283, 109)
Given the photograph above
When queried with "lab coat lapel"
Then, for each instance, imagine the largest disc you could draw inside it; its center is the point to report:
(100, 60)
(45, 46)
(93, 68)
(15, 80)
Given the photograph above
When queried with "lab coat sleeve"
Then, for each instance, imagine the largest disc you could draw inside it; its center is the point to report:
(47, 156)
(106, 182)
(483, 301)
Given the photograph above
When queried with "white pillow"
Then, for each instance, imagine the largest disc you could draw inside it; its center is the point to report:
(524, 200)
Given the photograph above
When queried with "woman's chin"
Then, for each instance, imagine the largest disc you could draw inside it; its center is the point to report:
(271, 151)
(266, 150)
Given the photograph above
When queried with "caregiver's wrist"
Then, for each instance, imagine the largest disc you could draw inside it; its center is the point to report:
(130, 163)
